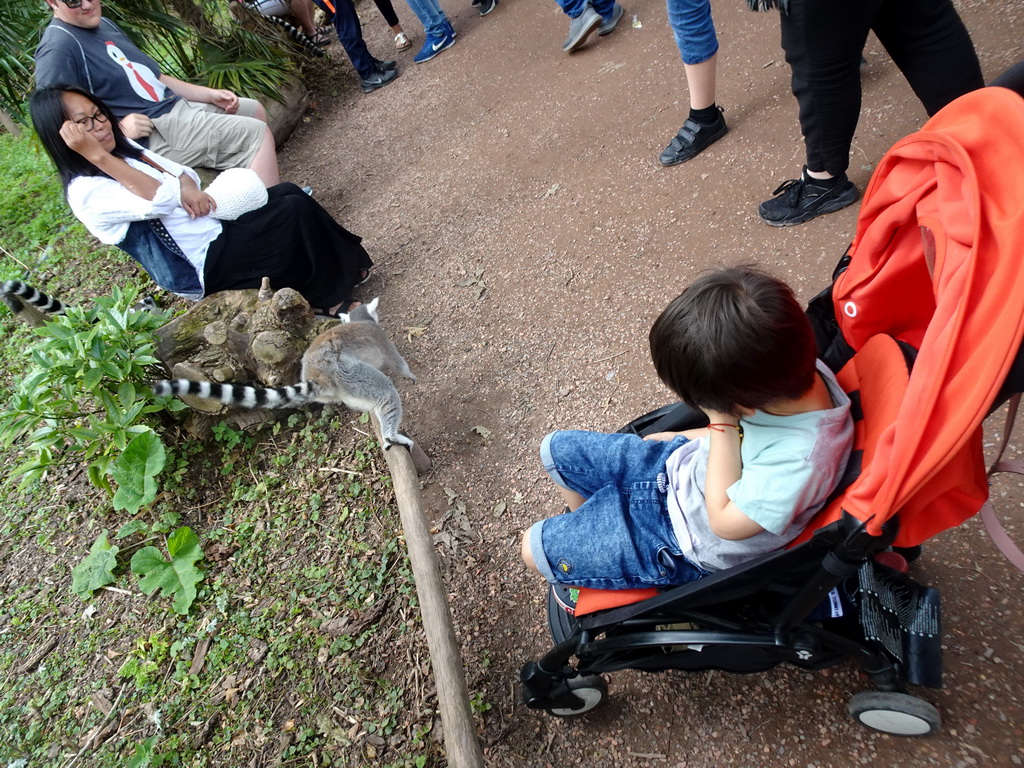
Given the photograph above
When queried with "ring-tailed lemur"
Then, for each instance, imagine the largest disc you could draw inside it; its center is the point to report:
(296, 33)
(24, 292)
(20, 292)
(343, 364)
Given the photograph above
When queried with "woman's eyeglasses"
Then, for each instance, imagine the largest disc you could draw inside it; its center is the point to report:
(90, 122)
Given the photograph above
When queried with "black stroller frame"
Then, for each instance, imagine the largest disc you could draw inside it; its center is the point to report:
(749, 618)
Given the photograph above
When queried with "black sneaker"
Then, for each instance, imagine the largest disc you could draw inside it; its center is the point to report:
(387, 66)
(379, 79)
(800, 200)
(486, 6)
(692, 139)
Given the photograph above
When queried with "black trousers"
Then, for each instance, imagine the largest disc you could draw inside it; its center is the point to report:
(292, 240)
(824, 40)
(350, 34)
(387, 10)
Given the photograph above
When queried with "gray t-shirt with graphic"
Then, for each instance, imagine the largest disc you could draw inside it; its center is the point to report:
(790, 466)
(106, 63)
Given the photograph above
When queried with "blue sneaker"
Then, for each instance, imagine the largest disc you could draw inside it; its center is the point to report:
(451, 29)
(433, 46)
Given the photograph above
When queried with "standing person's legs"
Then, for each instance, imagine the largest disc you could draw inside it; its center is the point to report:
(573, 8)
(931, 46)
(440, 33)
(695, 36)
(302, 10)
(1013, 78)
(431, 16)
(823, 42)
(387, 10)
(350, 34)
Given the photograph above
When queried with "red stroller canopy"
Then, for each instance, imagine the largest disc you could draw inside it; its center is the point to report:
(938, 261)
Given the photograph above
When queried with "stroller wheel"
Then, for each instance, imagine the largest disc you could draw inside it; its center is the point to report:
(897, 713)
(592, 689)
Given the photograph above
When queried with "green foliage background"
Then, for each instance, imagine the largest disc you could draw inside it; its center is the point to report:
(195, 40)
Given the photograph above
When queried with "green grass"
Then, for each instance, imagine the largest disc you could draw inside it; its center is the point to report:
(304, 644)
(42, 242)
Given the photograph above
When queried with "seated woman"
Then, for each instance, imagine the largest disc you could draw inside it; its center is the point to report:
(154, 210)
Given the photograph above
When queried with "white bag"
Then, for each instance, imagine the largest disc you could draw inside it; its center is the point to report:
(236, 191)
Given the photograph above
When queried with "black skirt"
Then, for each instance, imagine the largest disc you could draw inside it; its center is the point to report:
(293, 241)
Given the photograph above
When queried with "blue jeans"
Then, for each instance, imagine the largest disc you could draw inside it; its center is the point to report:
(694, 29)
(430, 15)
(621, 536)
(573, 8)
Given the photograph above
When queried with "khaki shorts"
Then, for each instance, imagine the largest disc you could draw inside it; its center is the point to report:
(205, 136)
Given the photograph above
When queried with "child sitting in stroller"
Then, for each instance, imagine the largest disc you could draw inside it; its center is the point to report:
(675, 506)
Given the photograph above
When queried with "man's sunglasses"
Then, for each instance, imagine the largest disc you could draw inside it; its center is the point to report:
(72, 4)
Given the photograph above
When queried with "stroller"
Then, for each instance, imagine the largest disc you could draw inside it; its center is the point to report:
(922, 324)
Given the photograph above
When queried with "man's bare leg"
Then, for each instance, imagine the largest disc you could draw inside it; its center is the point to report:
(265, 161)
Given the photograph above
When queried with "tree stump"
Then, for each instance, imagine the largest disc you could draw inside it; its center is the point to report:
(248, 337)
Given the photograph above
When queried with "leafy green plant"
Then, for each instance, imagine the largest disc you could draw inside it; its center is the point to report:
(96, 570)
(177, 576)
(84, 400)
(145, 757)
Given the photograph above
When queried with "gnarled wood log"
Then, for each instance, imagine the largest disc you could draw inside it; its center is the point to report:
(250, 337)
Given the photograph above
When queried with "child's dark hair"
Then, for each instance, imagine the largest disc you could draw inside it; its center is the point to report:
(735, 338)
(49, 115)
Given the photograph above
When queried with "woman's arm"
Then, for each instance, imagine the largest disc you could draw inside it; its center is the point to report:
(85, 144)
(724, 469)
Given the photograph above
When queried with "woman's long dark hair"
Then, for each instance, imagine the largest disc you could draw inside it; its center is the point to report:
(49, 114)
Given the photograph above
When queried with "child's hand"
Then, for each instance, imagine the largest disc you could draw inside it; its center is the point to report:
(663, 437)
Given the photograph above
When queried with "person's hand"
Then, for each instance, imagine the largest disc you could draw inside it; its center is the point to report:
(136, 126)
(81, 141)
(663, 437)
(226, 100)
(195, 202)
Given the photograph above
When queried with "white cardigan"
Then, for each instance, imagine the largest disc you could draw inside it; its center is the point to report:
(106, 207)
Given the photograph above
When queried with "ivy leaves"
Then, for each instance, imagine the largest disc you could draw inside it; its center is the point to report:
(177, 575)
(96, 570)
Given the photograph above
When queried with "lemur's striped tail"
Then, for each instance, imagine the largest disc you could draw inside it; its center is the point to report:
(30, 295)
(241, 395)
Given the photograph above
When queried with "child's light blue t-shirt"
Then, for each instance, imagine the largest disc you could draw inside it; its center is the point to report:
(790, 466)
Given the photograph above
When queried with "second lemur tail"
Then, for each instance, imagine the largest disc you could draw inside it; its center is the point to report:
(241, 395)
(30, 295)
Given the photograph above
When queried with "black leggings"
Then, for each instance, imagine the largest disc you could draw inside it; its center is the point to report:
(824, 40)
(387, 10)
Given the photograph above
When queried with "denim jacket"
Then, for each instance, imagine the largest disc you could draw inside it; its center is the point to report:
(149, 243)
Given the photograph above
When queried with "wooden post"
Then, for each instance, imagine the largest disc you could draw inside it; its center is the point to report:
(460, 741)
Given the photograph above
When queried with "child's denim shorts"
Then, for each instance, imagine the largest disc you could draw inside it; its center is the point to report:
(621, 537)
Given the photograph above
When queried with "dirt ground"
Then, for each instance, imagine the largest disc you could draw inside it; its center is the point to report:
(525, 239)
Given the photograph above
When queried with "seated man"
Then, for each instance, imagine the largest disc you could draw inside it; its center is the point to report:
(190, 124)
(673, 507)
